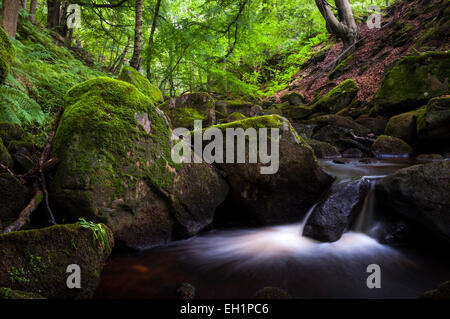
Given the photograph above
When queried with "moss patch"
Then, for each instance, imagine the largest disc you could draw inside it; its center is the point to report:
(7, 54)
(130, 75)
(338, 98)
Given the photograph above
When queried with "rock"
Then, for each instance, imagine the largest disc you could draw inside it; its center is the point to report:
(271, 293)
(8, 293)
(7, 54)
(340, 121)
(185, 291)
(5, 157)
(386, 146)
(333, 216)
(412, 82)
(352, 153)
(421, 194)
(286, 195)
(226, 107)
(330, 134)
(338, 98)
(184, 110)
(116, 168)
(442, 292)
(341, 68)
(36, 260)
(14, 197)
(430, 157)
(376, 125)
(235, 116)
(402, 126)
(130, 75)
(12, 132)
(300, 112)
(294, 98)
(433, 123)
(304, 130)
(323, 149)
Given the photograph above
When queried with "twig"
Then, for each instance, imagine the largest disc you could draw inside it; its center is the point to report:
(6, 168)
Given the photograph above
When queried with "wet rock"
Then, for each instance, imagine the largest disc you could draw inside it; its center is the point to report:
(36, 261)
(420, 193)
(386, 146)
(271, 293)
(323, 149)
(433, 123)
(402, 126)
(333, 216)
(341, 122)
(352, 153)
(304, 130)
(376, 125)
(430, 157)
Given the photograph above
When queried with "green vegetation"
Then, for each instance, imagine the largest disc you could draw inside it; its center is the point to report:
(99, 234)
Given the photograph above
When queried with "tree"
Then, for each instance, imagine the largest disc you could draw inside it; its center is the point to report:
(345, 29)
(9, 15)
(54, 15)
(33, 8)
(150, 40)
(136, 59)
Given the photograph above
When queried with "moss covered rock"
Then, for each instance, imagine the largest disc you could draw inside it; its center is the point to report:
(130, 75)
(286, 195)
(376, 125)
(300, 112)
(339, 121)
(5, 157)
(14, 197)
(402, 126)
(116, 167)
(421, 194)
(342, 68)
(36, 260)
(226, 107)
(433, 122)
(235, 116)
(294, 98)
(389, 146)
(12, 132)
(412, 82)
(323, 149)
(7, 54)
(338, 98)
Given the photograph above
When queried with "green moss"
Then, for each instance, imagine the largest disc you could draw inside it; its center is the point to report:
(434, 119)
(183, 117)
(338, 98)
(130, 75)
(235, 116)
(341, 68)
(7, 54)
(8, 293)
(412, 82)
(5, 157)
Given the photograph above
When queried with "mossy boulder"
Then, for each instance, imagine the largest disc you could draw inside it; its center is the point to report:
(412, 82)
(116, 167)
(323, 149)
(287, 194)
(338, 98)
(339, 121)
(300, 112)
(433, 122)
(184, 110)
(389, 146)
(7, 54)
(5, 157)
(342, 68)
(36, 260)
(225, 107)
(130, 75)
(14, 196)
(294, 98)
(235, 116)
(402, 126)
(421, 194)
(376, 125)
(12, 132)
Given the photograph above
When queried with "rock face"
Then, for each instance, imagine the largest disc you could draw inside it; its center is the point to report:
(386, 146)
(333, 216)
(116, 168)
(420, 193)
(36, 260)
(7, 54)
(433, 122)
(402, 126)
(130, 75)
(184, 110)
(412, 82)
(337, 99)
(286, 195)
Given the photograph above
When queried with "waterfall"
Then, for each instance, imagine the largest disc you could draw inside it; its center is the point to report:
(366, 218)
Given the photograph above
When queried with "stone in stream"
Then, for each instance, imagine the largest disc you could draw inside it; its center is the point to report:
(389, 146)
(421, 194)
(116, 168)
(334, 215)
(37, 260)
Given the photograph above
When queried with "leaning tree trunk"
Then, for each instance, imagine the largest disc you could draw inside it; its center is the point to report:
(136, 59)
(9, 15)
(345, 29)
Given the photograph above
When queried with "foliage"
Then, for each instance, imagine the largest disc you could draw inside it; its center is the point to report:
(99, 235)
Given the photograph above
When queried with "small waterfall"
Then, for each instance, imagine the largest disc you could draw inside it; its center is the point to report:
(365, 220)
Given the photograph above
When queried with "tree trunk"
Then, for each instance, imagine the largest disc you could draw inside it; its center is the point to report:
(150, 41)
(24, 4)
(9, 15)
(54, 14)
(346, 29)
(136, 59)
(33, 8)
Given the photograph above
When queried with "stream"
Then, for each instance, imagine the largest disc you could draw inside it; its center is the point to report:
(235, 263)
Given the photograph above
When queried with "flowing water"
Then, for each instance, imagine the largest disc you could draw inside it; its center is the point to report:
(235, 263)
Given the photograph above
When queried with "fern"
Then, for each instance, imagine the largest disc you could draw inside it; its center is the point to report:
(17, 107)
(100, 237)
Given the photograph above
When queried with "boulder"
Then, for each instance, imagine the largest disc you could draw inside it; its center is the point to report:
(184, 110)
(14, 197)
(323, 149)
(386, 146)
(334, 215)
(36, 260)
(340, 121)
(402, 126)
(294, 98)
(352, 153)
(337, 99)
(7, 54)
(376, 125)
(235, 116)
(116, 168)
(300, 112)
(433, 122)
(286, 195)
(412, 82)
(227, 107)
(130, 75)
(421, 194)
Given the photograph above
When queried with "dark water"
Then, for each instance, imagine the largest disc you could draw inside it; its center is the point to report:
(237, 263)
